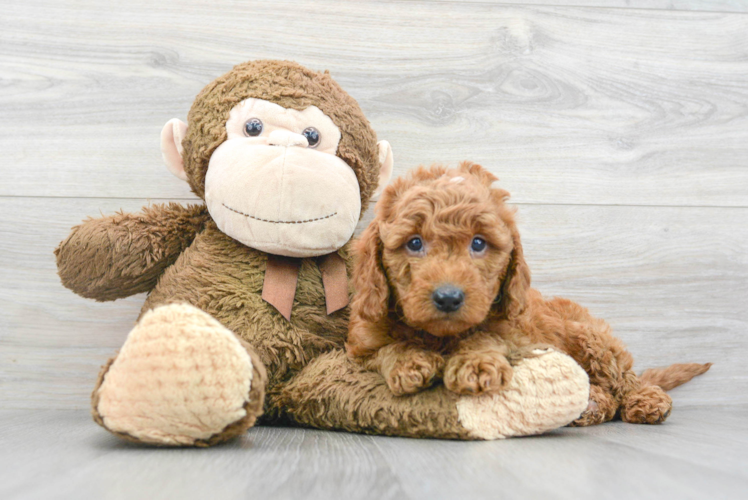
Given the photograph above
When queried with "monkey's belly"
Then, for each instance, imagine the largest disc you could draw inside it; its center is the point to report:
(224, 278)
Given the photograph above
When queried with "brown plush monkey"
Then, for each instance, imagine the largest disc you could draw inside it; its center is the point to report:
(247, 306)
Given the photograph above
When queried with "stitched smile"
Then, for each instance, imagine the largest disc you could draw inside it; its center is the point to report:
(280, 221)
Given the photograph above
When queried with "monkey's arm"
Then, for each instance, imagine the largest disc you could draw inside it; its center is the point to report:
(124, 254)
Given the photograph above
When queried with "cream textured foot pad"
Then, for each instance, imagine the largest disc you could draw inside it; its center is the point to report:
(546, 392)
(181, 377)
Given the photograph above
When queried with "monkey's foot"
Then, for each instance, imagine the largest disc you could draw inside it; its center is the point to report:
(181, 379)
(548, 390)
(648, 405)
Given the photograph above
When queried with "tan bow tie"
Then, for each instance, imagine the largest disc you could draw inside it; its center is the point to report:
(282, 274)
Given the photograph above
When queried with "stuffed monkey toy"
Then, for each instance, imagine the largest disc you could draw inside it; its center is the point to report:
(247, 306)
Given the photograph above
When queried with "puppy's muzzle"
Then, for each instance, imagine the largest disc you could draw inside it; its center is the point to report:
(448, 298)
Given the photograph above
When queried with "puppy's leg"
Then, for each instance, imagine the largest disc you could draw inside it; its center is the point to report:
(478, 365)
(601, 408)
(607, 362)
(407, 368)
(609, 365)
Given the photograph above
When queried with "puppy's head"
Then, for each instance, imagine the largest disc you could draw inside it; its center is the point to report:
(443, 252)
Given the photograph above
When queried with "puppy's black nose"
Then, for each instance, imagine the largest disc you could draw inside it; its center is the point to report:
(448, 298)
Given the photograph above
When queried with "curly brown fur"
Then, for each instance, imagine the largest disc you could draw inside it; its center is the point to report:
(394, 306)
(394, 318)
(674, 375)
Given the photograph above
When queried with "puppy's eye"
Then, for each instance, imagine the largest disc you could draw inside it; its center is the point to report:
(312, 136)
(253, 127)
(478, 245)
(415, 244)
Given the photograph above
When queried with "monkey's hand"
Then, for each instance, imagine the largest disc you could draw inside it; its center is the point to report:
(124, 254)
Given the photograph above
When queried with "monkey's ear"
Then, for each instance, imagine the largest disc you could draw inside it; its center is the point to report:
(386, 162)
(171, 146)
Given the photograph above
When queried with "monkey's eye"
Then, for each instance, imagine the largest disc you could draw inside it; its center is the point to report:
(253, 127)
(312, 136)
(478, 245)
(414, 245)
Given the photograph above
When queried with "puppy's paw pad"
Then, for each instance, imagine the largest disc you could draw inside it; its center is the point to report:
(415, 373)
(477, 373)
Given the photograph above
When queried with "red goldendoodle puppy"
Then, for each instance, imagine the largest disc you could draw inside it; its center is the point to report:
(443, 292)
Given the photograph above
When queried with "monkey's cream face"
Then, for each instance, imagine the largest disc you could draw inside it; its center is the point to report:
(277, 185)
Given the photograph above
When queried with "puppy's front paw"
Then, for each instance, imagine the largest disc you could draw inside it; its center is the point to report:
(414, 373)
(477, 373)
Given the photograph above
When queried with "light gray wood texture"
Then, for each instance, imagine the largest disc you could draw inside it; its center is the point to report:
(704, 5)
(700, 454)
(566, 104)
(619, 126)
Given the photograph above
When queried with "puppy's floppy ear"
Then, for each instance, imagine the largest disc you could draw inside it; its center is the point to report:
(372, 291)
(512, 297)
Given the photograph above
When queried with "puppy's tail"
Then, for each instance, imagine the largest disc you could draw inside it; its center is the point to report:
(672, 376)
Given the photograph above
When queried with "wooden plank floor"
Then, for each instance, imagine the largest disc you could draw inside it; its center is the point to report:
(699, 453)
(619, 126)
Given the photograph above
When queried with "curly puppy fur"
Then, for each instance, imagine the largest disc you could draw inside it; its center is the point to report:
(397, 329)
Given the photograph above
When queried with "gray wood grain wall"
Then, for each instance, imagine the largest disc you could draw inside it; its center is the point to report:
(620, 127)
